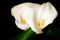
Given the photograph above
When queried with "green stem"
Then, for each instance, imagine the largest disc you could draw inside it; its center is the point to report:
(24, 35)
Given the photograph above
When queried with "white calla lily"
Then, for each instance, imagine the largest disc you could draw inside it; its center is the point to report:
(34, 15)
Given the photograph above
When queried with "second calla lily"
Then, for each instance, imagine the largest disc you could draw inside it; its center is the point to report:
(34, 15)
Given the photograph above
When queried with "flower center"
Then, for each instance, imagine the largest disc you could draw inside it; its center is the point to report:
(23, 20)
(41, 24)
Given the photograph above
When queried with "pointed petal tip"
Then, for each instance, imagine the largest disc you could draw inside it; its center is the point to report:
(39, 32)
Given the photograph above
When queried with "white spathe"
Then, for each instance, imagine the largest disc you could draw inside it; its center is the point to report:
(34, 15)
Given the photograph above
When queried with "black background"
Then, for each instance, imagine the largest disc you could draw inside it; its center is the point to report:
(9, 29)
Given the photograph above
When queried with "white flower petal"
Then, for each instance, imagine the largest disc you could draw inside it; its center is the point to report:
(39, 12)
(22, 26)
(50, 14)
(16, 11)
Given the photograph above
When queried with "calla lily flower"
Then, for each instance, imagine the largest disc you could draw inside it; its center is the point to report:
(34, 16)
